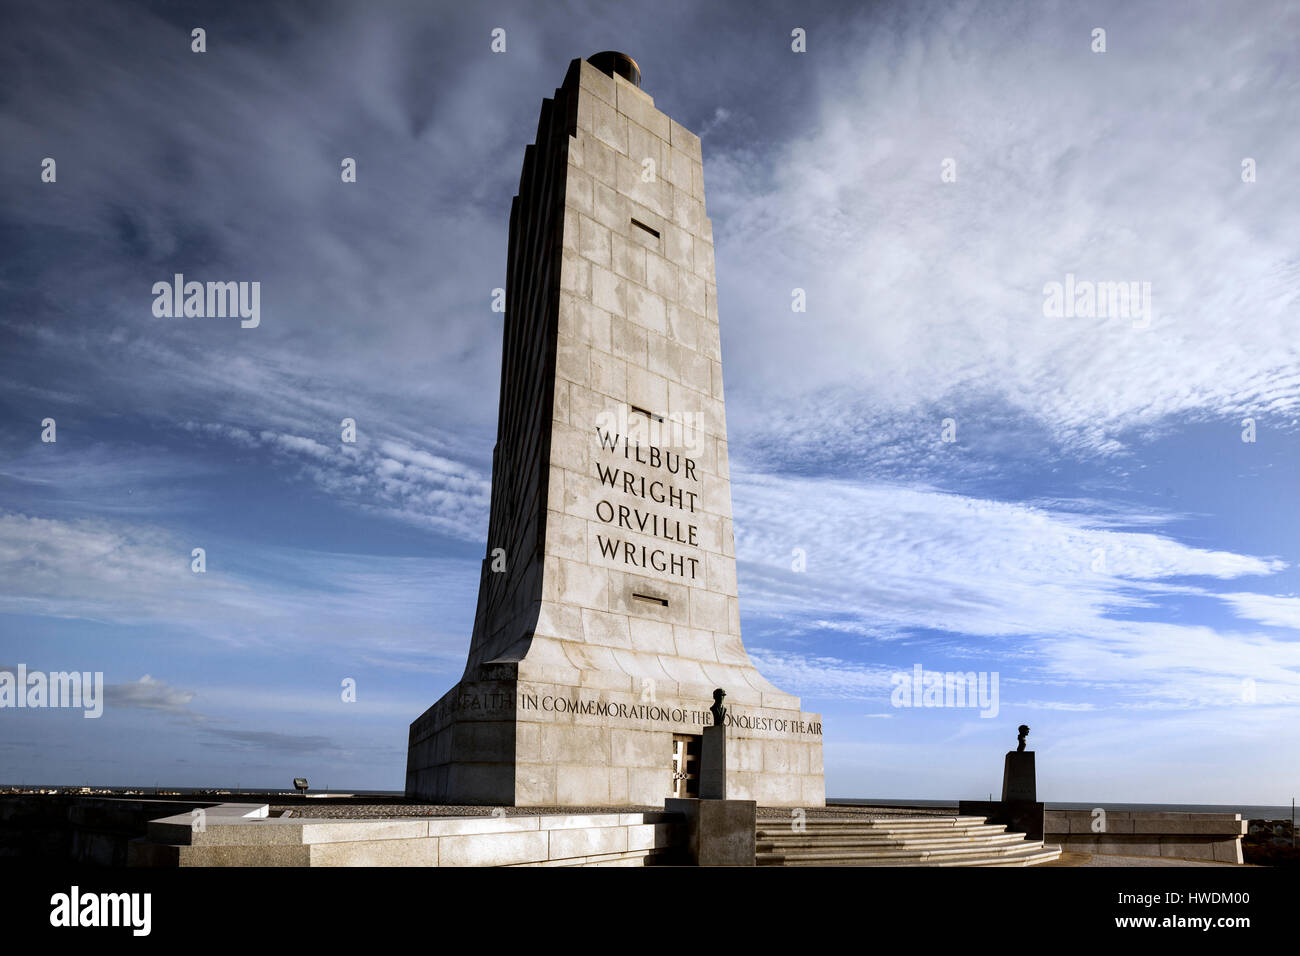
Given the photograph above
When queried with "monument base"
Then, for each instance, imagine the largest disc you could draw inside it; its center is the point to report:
(503, 741)
(719, 832)
(1017, 816)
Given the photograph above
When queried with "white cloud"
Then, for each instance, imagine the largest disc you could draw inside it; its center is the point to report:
(149, 694)
(127, 574)
(926, 296)
(890, 558)
(1273, 610)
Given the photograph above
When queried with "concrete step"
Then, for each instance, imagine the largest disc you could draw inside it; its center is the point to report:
(804, 841)
(898, 852)
(900, 841)
(896, 823)
(1029, 856)
(949, 833)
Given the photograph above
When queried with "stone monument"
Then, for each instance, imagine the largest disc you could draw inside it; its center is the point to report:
(607, 606)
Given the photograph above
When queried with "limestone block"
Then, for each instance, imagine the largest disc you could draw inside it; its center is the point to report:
(637, 748)
(608, 290)
(694, 643)
(628, 258)
(684, 329)
(655, 637)
(776, 789)
(629, 340)
(684, 671)
(646, 389)
(535, 785)
(260, 855)
(593, 239)
(637, 106)
(1228, 851)
(577, 190)
(679, 250)
(702, 258)
(679, 170)
(572, 360)
(582, 585)
(609, 378)
(608, 126)
(570, 233)
(661, 276)
(600, 85)
(648, 786)
(575, 274)
(728, 649)
(682, 138)
(650, 836)
(618, 787)
(566, 536)
(708, 610)
(423, 852)
(1188, 850)
(493, 849)
(644, 145)
(561, 621)
(813, 787)
(646, 309)
(603, 627)
(608, 206)
(586, 783)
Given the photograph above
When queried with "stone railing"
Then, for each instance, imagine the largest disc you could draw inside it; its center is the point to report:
(1195, 836)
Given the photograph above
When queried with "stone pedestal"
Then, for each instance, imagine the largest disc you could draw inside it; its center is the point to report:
(1017, 817)
(713, 764)
(1018, 785)
(720, 832)
(1018, 810)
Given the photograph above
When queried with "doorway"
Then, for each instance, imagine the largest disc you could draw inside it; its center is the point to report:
(686, 766)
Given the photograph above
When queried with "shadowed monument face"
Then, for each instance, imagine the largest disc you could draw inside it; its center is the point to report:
(607, 608)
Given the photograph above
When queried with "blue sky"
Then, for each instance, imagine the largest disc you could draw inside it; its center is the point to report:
(1075, 437)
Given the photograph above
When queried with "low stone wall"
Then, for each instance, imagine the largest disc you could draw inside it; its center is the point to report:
(1195, 836)
(231, 836)
(77, 828)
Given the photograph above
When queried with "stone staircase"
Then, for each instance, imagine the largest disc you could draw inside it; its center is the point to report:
(898, 841)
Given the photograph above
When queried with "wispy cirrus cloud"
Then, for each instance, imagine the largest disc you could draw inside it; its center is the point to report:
(1082, 600)
(138, 574)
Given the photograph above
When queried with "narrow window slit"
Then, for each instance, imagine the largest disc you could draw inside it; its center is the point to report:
(662, 602)
(637, 410)
(640, 225)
